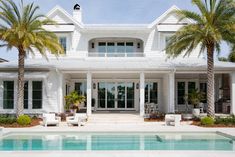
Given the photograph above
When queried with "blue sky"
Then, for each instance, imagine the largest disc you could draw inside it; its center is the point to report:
(112, 11)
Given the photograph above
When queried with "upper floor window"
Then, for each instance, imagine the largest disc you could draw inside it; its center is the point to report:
(63, 42)
(129, 47)
(8, 95)
(119, 47)
(102, 47)
(110, 47)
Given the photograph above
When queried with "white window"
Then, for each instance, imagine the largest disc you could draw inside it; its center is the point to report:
(184, 88)
(63, 42)
(37, 94)
(8, 94)
(151, 92)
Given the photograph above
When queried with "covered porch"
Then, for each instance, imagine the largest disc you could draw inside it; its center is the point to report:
(130, 91)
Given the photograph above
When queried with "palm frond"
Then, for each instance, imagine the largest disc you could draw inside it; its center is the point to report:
(22, 27)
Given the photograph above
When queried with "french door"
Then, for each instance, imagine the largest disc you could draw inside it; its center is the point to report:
(116, 96)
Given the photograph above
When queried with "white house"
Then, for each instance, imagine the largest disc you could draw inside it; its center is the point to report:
(118, 67)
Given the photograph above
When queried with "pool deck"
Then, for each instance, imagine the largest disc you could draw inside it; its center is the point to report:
(141, 127)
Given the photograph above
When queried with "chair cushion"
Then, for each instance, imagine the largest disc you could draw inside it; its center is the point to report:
(49, 117)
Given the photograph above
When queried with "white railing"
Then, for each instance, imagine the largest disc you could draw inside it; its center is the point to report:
(116, 54)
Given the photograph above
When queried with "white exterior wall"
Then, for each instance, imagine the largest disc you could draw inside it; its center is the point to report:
(79, 35)
(53, 98)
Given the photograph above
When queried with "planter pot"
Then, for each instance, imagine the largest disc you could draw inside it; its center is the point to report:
(196, 112)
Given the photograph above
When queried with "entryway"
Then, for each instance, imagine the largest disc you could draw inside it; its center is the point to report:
(116, 96)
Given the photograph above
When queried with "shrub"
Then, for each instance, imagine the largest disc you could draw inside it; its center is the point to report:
(207, 121)
(225, 121)
(24, 120)
(7, 119)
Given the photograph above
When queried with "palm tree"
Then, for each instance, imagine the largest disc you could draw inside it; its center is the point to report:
(22, 28)
(214, 23)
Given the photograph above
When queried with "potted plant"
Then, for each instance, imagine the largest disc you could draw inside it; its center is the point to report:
(73, 100)
(195, 97)
(187, 115)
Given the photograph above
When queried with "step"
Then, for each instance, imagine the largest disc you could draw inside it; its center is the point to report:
(115, 119)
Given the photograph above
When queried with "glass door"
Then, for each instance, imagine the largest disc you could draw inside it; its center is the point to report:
(121, 95)
(110, 95)
(116, 95)
(130, 102)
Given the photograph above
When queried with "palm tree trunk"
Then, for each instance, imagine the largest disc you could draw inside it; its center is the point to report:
(210, 81)
(20, 93)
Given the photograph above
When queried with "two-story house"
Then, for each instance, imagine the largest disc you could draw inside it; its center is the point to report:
(118, 67)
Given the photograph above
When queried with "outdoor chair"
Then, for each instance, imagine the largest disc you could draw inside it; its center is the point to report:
(78, 119)
(172, 119)
(50, 119)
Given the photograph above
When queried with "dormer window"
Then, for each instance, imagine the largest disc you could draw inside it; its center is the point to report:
(63, 42)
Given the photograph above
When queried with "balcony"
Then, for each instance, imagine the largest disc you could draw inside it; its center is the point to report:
(117, 54)
(116, 47)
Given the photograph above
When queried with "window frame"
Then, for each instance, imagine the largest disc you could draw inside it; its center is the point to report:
(32, 97)
(186, 81)
(26, 81)
(148, 82)
(13, 100)
(66, 43)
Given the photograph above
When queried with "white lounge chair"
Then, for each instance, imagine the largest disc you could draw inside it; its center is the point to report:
(78, 119)
(172, 119)
(50, 119)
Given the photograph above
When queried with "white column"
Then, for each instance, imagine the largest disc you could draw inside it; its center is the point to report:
(60, 93)
(142, 92)
(171, 93)
(232, 76)
(89, 94)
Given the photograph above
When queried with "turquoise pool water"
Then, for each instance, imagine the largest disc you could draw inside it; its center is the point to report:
(115, 141)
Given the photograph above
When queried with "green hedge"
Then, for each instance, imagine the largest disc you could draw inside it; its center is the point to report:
(225, 121)
(7, 119)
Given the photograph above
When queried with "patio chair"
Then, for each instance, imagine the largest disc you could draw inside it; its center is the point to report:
(50, 119)
(172, 119)
(78, 119)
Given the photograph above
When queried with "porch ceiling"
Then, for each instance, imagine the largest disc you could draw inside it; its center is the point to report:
(115, 76)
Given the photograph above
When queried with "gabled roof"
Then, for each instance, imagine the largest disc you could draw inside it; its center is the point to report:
(164, 15)
(3, 60)
(59, 9)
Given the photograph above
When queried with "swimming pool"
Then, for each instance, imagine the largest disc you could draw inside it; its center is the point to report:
(115, 141)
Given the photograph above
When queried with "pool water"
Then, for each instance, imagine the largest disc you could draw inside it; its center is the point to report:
(115, 141)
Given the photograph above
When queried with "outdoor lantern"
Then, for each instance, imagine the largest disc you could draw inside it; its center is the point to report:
(137, 86)
(94, 86)
(138, 45)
